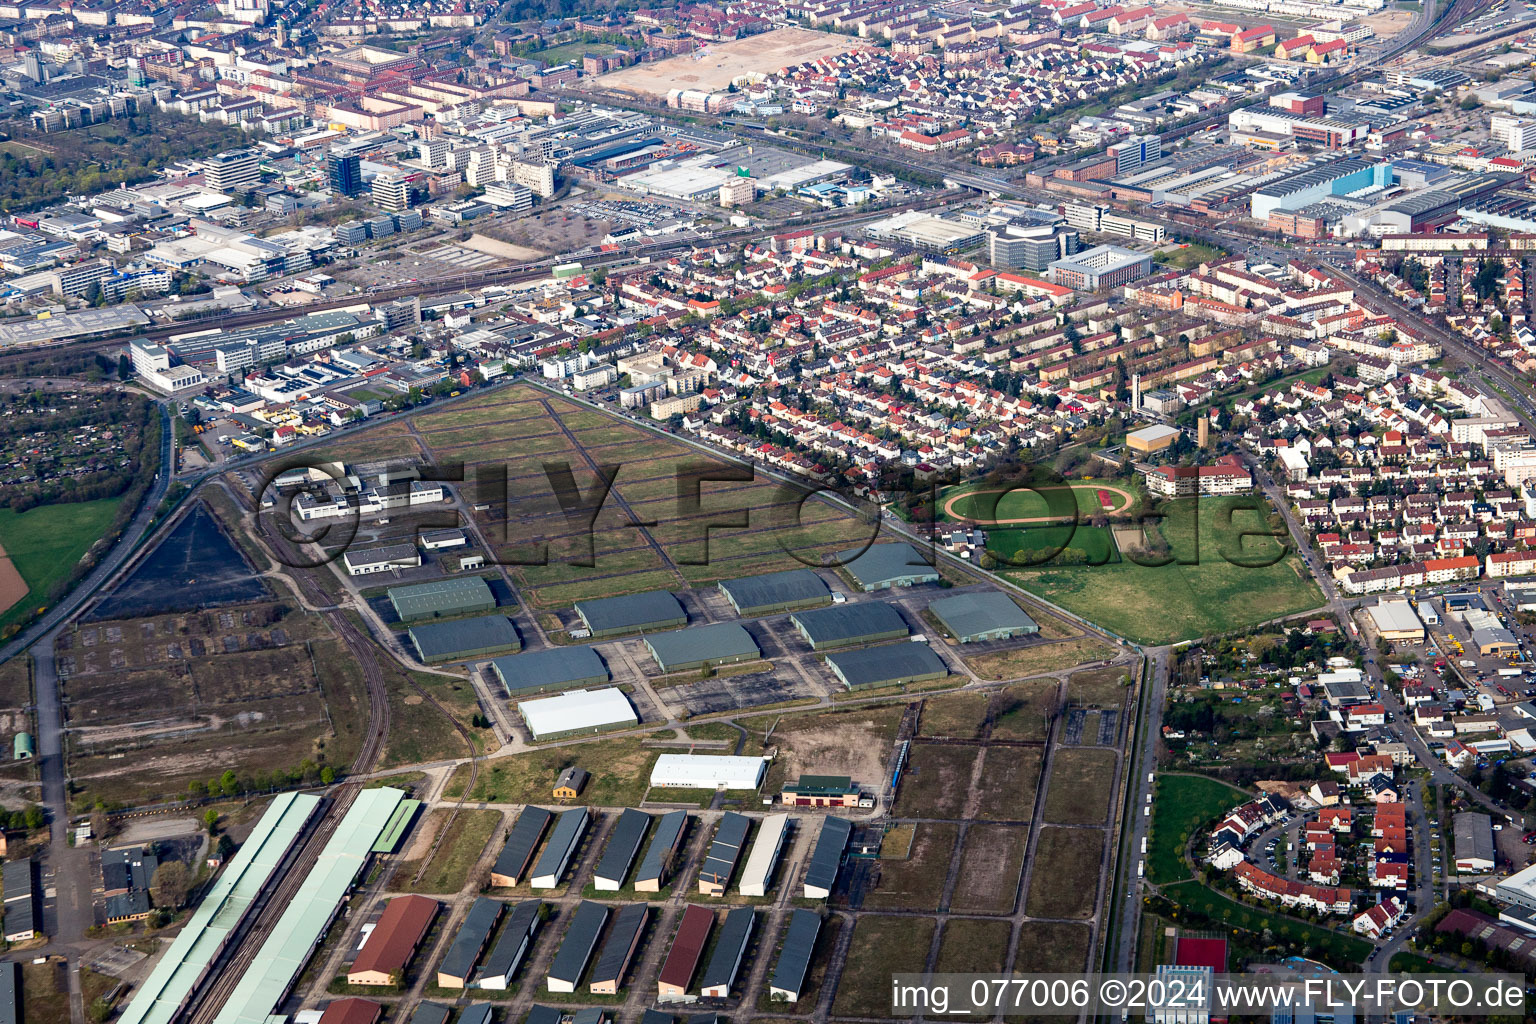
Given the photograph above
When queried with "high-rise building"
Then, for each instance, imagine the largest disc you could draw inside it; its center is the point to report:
(1032, 249)
(1518, 134)
(1135, 151)
(433, 152)
(536, 175)
(346, 173)
(232, 171)
(391, 193)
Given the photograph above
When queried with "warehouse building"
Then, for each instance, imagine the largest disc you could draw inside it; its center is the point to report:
(757, 873)
(724, 853)
(10, 992)
(393, 941)
(352, 1010)
(623, 846)
(516, 858)
(827, 858)
(722, 643)
(387, 557)
(776, 592)
(442, 598)
(891, 665)
(431, 1013)
(988, 615)
(882, 566)
(707, 771)
(822, 791)
(1474, 843)
(794, 964)
(22, 921)
(730, 948)
(633, 613)
(1396, 621)
(619, 949)
(469, 943)
(1151, 439)
(577, 946)
(842, 625)
(559, 668)
(661, 853)
(682, 962)
(511, 947)
(576, 712)
(476, 1013)
(570, 829)
(463, 639)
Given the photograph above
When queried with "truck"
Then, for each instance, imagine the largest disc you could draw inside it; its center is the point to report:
(1509, 673)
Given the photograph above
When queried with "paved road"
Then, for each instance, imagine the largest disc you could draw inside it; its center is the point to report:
(1143, 762)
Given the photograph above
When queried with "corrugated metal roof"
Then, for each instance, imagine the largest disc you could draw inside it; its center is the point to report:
(687, 946)
(522, 840)
(430, 1013)
(726, 848)
(847, 623)
(621, 937)
(569, 828)
(543, 670)
(289, 943)
(623, 845)
(795, 955)
(473, 934)
(20, 880)
(701, 643)
(542, 1015)
(871, 666)
(664, 840)
(580, 939)
(775, 589)
(729, 948)
(827, 857)
(971, 614)
(631, 611)
(221, 911)
(481, 1013)
(764, 855)
(884, 563)
(423, 600)
(441, 641)
(512, 944)
(10, 992)
(574, 710)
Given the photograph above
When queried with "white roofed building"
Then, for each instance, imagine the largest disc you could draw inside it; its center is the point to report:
(577, 711)
(707, 771)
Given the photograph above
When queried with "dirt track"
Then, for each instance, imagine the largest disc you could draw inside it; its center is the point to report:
(1126, 500)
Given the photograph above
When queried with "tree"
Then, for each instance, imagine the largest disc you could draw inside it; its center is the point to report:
(327, 775)
(124, 368)
(211, 820)
(171, 885)
(101, 825)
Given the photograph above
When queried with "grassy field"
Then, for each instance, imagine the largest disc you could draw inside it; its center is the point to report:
(1001, 849)
(936, 781)
(957, 716)
(1099, 687)
(620, 771)
(448, 871)
(1082, 779)
(1254, 919)
(881, 946)
(1076, 544)
(1212, 594)
(917, 882)
(44, 544)
(973, 947)
(1183, 804)
(1023, 712)
(1188, 256)
(1009, 779)
(1038, 659)
(1052, 947)
(1065, 879)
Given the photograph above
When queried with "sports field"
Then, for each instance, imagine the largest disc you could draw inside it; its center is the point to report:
(1217, 582)
(45, 543)
(1075, 544)
(672, 517)
(985, 505)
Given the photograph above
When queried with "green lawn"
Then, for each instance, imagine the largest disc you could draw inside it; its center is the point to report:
(1188, 256)
(1050, 545)
(1183, 804)
(1225, 586)
(46, 542)
(1254, 919)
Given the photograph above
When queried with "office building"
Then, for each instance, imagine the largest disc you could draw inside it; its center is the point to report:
(345, 173)
(1135, 151)
(233, 171)
(391, 193)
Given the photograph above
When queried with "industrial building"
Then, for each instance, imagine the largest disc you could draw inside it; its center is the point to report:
(632, 613)
(442, 598)
(776, 592)
(843, 625)
(291, 941)
(827, 858)
(661, 853)
(1103, 266)
(720, 643)
(183, 967)
(352, 1010)
(576, 948)
(623, 846)
(1474, 843)
(757, 873)
(730, 948)
(881, 566)
(393, 941)
(1151, 439)
(1333, 176)
(22, 920)
(794, 964)
(822, 791)
(707, 771)
(988, 615)
(891, 665)
(463, 639)
(682, 961)
(469, 943)
(516, 857)
(558, 668)
(1395, 621)
(511, 947)
(619, 949)
(577, 711)
(570, 829)
(367, 561)
(724, 853)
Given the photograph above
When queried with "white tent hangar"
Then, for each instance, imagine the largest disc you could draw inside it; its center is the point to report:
(577, 711)
(705, 771)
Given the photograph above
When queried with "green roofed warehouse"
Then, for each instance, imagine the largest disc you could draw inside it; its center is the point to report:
(464, 638)
(442, 598)
(891, 665)
(776, 592)
(845, 624)
(632, 613)
(722, 643)
(881, 566)
(983, 616)
(554, 669)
